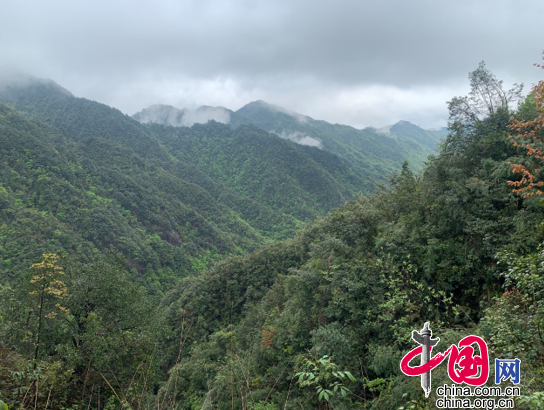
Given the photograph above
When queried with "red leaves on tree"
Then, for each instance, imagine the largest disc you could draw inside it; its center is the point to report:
(529, 136)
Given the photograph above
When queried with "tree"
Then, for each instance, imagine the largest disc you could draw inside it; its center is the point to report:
(47, 285)
(87, 338)
(111, 332)
(486, 99)
(530, 134)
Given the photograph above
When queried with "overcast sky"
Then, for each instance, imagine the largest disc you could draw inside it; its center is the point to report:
(352, 62)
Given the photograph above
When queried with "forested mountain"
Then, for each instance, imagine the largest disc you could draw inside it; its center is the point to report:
(299, 180)
(367, 151)
(372, 153)
(171, 200)
(423, 137)
(289, 321)
(289, 173)
(109, 297)
(86, 196)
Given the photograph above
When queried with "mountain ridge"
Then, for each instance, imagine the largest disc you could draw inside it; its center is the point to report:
(172, 200)
(368, 152)
(272, 107)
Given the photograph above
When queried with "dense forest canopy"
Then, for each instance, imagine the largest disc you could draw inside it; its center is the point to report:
(159, 267)
(372, 153)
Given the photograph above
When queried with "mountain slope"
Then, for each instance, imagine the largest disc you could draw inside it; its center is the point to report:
(367, 151)
(320, 190)
(370, 153)
(425, 138)
(94, 194)
(351, 288)
(172, 200)
(287, 177)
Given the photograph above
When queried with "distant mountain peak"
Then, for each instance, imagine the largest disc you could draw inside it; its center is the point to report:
(388, 129)
(13, 81)
(260, 104)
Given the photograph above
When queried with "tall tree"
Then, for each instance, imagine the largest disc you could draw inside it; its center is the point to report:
(47, 285)
(486, 99)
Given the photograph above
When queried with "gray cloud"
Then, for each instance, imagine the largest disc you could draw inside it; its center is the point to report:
(161, 114)
(299, 138)
(204, 114)
(12, 77)
(168, 115)
(350, 61)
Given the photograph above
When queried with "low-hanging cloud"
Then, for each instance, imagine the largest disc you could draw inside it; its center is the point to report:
(204, 114)
(299, 138)
(168, 115)
(161, 114)
(12, 79)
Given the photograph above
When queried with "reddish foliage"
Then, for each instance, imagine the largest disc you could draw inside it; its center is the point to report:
(529, 136)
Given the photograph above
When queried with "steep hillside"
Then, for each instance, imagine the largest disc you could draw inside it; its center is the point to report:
(428, 139)
(109, 296)
(87, 196)
(287, 177)
(172, 200)
(324, 182)
(346, 293)
(374, 154)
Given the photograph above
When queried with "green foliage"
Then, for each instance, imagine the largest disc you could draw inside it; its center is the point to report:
(101, 332)
(534, 401)
(372, 154)
(515, 321)
(141, 214)
(325, 377)
(88, 196)
(296, 180)
(422, 249)
(82, 177)
(264, 406)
